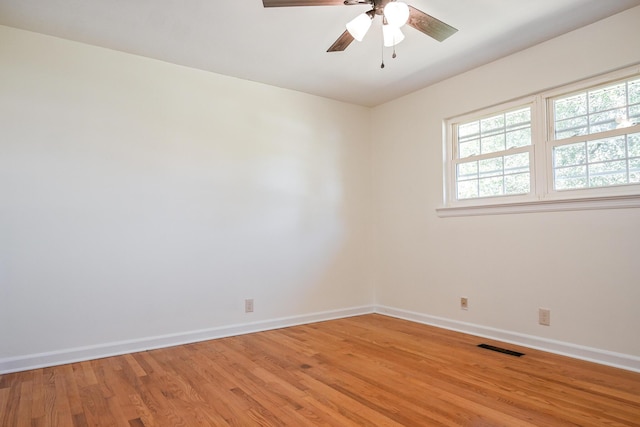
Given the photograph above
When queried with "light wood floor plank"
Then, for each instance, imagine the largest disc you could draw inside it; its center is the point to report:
(367, 370)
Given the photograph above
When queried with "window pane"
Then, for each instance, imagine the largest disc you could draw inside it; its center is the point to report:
(608, 173)
(493, 143)
(519, 138)
(467, 171)
(497, 176)
(634, 171)
(571, 172)
(570, 183)
(469, 130)
(490, 167)
(607, 180)
(471, 148)
(572, 127)
(467, 189)
(607, 149)
(634, 92)
(519, 118)
(607, 120)
(608, 98)
(570, 178)
(572, 154)
(634, 114)
(605, 168)
(599, 163)
(516, 163)
(517, 184)
(633, 144)
(494, 134)
(598, 110)
(572, 106)
(492, 124)
(491, 186)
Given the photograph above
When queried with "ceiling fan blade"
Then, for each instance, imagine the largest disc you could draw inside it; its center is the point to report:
(342, 43)
(429, 25)
(288, 3)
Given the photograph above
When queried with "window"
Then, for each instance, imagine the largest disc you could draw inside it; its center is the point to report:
(591, 146)
(573, 144)
(494, 155)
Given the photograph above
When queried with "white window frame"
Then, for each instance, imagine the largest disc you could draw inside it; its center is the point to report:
(543, 197)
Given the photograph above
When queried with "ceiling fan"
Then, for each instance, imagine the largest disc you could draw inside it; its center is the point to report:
(394, 15)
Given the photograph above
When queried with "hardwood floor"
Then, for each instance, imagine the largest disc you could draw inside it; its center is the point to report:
(368, 370)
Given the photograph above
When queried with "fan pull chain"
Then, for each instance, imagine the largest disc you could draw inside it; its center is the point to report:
(382, 53)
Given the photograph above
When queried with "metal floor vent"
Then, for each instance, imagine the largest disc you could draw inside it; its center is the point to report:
(501, 350)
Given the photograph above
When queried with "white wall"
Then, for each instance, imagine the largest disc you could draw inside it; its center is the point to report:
(140, 198)
(582, 265)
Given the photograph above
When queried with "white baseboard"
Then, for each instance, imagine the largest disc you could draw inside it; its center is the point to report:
(79, 354)
(61, 357)
(603, 357)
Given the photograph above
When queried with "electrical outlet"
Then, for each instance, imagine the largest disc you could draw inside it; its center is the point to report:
(248, 306)
(464, 303)
(544, 316)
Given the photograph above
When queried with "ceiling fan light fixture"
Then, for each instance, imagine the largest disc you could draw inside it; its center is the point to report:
(359, 26)
(392, 35)
(397, 13)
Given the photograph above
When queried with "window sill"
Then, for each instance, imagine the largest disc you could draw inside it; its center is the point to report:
(558, 205)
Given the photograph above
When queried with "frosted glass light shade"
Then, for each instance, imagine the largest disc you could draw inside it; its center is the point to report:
(359, 26)
(392, 35)
(397, 13)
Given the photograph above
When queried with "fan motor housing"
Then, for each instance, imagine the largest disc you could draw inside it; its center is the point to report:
(378, 5)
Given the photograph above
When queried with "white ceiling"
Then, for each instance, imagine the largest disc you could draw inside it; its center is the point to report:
(286, 47)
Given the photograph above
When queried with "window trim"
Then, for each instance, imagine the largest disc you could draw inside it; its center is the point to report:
(547, 205)
(543, 197)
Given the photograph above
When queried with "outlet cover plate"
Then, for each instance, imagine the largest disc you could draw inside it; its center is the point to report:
(544, 316)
